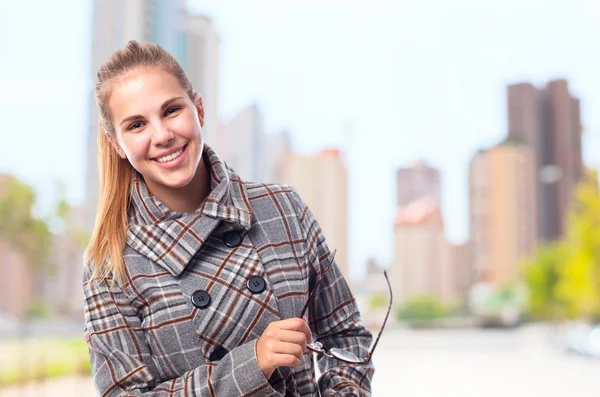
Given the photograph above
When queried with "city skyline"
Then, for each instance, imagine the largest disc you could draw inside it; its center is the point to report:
(450, 108)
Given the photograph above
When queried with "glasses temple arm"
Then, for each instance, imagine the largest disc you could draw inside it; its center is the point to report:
(368, 359)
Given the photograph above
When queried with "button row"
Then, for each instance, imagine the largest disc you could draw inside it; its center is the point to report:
(255, 284)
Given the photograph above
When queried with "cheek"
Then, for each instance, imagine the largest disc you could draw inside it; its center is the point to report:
(135, 146)
(187, 126)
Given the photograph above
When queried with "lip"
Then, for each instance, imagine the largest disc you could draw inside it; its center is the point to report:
(172, 163)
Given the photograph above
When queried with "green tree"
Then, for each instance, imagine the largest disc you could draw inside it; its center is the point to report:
(542, 277)
(18, 227)
(564, 276)
(422, 309)
(579, 277)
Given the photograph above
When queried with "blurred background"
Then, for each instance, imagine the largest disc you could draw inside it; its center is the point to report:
(455, 144)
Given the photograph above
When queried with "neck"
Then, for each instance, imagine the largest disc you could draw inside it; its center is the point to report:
(187, 199)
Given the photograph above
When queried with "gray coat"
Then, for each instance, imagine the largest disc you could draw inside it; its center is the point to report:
(203, 287)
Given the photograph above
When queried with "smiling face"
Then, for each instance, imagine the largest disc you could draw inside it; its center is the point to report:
(157, 128)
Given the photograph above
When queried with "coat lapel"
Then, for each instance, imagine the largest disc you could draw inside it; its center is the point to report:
(171, 238)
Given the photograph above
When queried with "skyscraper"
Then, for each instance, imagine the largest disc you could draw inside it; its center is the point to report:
(202, 67)
(502, 217)
(416, 181)
(548, 120)
(245, 142)
(322, 180)
(419, 248)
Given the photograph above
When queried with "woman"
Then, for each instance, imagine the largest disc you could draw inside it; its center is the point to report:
(195, 280)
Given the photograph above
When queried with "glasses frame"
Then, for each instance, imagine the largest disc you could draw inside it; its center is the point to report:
(317, 347)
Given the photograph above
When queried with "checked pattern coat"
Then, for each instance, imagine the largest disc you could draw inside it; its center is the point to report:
(147, 337)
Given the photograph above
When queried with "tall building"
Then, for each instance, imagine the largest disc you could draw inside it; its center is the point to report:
(548, 120)
(245, 142)
(416, 181)
(419, 250)
(502, 217)
(202, 67)
(115, 22)
(278, 148)
(322, 180)
(17, 282)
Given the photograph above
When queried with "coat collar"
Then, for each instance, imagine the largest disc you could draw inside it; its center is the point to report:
(172, 238)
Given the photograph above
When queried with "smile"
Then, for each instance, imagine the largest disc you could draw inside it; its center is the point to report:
(171, 160)
(171, 156)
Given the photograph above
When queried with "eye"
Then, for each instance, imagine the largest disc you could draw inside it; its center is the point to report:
(134, 126)
(171, 111)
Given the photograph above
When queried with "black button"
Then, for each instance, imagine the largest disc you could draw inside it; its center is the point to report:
(256, 284)
(201, 299)
(218, 353)
(232, 239)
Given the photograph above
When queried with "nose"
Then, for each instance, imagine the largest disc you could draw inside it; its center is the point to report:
(162, 135)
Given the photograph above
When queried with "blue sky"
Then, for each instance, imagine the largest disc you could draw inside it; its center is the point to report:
(388, 82)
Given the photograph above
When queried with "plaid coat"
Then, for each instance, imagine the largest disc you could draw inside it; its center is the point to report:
(159, 334)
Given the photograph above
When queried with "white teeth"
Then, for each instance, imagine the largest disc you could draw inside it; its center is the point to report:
(170, 156)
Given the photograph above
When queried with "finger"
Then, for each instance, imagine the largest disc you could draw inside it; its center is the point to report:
(285, 348)
(295, 324)
(309, 337)
(287, 360)
(292, 324)
(295, 337)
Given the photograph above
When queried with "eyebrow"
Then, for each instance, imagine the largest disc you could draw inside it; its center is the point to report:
(162, 108)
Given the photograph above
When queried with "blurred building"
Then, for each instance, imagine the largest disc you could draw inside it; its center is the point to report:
(456, 273)
(245, 141)
(502, 210)
(416, 181)
(322, 180)
(278, 148)
(548, 120)
(62, 287)
(420, 248)
(374, 280)
(202, 67)
(17, 282)
(17, 278)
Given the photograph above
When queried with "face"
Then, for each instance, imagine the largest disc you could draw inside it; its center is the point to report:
(157, 128)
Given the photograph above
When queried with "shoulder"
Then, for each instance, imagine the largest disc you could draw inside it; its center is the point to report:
(285, 197)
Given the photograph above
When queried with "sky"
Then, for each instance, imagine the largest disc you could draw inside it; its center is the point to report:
(388, 82)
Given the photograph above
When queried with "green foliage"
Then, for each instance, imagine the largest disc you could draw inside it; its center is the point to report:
(26, 234)
(542, 276)
(579, 278)
(564, 277)
(41, 358)
(424, 308)
(378, 301)
(38, 309)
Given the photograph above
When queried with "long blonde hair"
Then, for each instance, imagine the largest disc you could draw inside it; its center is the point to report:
(105, 250)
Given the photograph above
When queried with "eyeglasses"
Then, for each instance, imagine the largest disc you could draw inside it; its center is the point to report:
(334, 352)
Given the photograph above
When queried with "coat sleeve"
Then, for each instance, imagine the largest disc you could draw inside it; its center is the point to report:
(122, 363)
(334, 318)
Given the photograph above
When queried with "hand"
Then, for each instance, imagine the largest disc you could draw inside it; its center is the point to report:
(282, 345)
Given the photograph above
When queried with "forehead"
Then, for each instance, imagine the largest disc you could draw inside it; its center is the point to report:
(142, 90)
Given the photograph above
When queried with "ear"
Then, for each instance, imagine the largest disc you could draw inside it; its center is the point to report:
(115, 145)
(200, 108)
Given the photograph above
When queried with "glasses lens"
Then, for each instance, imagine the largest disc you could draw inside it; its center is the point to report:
(344, 355)
(316, 347)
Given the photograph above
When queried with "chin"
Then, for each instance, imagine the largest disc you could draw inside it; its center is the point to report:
(178, 182)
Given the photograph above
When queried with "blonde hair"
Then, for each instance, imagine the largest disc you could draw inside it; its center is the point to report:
(105, 250)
